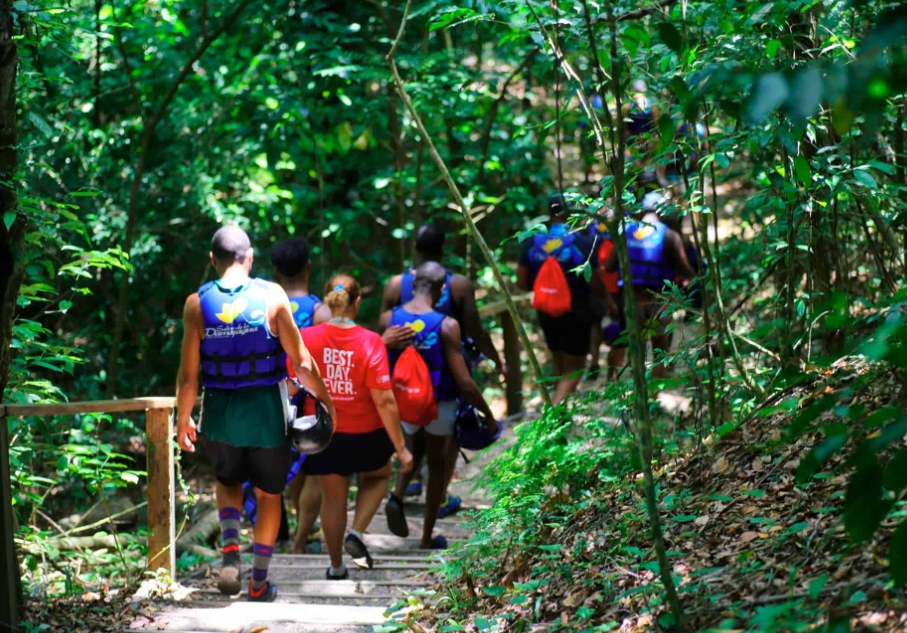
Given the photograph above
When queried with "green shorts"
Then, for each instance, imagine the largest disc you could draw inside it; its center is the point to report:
(251, 416)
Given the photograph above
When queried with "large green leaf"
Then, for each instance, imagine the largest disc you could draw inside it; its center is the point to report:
(671, 37)
(864, 507)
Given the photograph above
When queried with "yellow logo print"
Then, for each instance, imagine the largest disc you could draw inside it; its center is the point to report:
(294, 307)
(552, 244)
(417, 326)
(229, 311)
(602, 227)
(643, 232)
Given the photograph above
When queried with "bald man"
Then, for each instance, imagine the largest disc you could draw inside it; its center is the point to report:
(437, 339)
(234, 330)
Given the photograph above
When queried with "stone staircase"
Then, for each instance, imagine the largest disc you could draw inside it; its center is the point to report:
(308, 602)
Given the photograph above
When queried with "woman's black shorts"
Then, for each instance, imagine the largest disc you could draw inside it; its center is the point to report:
(350, 453)
(571, 333)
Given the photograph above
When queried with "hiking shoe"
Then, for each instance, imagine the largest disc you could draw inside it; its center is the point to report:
(229, 582)
(357, 549)
(438, 542)
(450, 506)
(593, 372)
(413, 490)
(330, 576)
(265, 593)
(396, 519)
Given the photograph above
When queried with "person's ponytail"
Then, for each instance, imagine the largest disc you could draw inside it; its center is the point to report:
(342, 292)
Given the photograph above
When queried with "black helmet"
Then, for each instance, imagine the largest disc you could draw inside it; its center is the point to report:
(470, 429)
(309, 433)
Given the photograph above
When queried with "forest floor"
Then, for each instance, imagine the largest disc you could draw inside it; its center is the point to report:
(752, 549)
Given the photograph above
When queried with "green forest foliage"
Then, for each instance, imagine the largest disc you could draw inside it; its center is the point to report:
(145, 125)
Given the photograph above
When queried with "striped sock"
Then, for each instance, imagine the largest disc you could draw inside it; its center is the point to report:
(229, 530)
(261, 560)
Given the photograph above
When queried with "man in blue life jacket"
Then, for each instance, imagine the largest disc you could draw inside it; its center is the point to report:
(458, 300)
(657, 257)
(234, 332)
(568, 336)
(292, 271)
(437, 338)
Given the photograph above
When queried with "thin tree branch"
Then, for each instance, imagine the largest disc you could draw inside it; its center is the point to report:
(132, 219)
(464, 211)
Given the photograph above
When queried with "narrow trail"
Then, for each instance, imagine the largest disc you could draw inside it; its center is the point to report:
(308, 602)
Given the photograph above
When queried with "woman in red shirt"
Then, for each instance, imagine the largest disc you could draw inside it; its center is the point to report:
(367, 432)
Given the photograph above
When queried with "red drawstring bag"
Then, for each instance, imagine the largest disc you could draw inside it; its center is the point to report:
(413, 389)
(610, 278)
(551, 293)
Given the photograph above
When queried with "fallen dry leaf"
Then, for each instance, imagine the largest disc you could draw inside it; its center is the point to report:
(259, 629)
(746, 537)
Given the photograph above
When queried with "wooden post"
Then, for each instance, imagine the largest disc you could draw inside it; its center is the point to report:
(512, 359)
(161, 518)
(9, 563)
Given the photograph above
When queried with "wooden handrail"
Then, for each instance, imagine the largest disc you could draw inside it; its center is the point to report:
(159, 451)
(98, 406)
(491, 309)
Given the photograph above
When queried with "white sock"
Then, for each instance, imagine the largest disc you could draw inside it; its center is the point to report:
(338, 571)
(357, 534)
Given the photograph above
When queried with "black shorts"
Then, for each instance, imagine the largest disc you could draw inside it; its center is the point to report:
(350, 453)
(570, 333)
(264, 468)
(648, 312)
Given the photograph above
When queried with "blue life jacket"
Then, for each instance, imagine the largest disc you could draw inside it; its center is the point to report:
(557, 243)
(641, 120)
(648, 261)
(428, 344)
(304, 309)
(445, 304)
(239, 350)
(599, 232)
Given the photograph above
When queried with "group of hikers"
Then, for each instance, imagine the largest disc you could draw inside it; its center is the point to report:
(298, 396)
(271, 355)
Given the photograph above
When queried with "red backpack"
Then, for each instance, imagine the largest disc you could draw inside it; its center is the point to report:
(413, 389)
(551, 293)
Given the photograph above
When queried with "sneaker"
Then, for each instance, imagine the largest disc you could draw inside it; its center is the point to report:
(450, 506)
(330, 576)
(413, 490)
(357, 549)
(265, 593)
(396, 519)
(438, 542)
(229, 582)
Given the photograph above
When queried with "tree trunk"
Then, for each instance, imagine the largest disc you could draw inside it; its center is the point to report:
(12, 267)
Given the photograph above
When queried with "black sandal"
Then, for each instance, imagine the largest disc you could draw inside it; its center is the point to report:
(357, 549)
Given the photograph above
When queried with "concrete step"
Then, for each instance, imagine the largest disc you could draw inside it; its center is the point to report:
(294, 573)
(335, 587)
(227, 617)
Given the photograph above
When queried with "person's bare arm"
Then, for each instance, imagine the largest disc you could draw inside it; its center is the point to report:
(322, 314)
(301, 361)
(612, 263)
(456, 364)
(391, 295)
(390, 417)
(678, 255)
(463, 293)
(523, 278)
(396, 336)
(187, 376)
(598, 289)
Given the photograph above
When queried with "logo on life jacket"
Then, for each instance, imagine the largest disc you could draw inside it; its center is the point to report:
(553, 244)
(229, 311)
(294, 307)
(601, 227)
(643, 232)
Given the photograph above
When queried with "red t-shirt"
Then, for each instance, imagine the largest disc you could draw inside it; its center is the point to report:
(352, 362)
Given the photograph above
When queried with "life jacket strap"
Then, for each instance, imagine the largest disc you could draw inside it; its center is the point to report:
(239, 359)
(221, 378)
